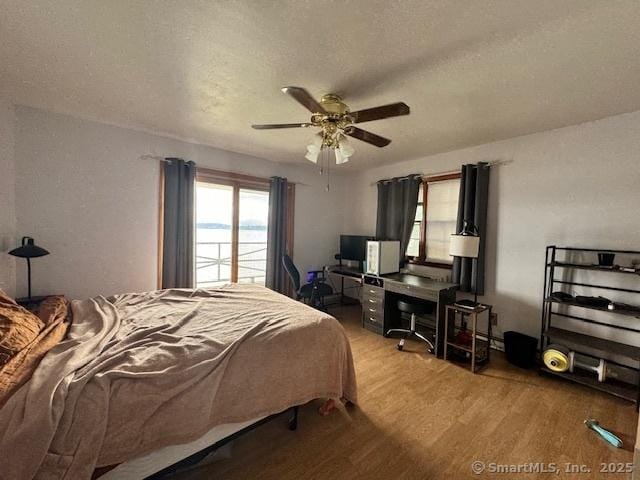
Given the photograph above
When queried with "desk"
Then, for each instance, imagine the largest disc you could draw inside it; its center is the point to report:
(380, 294)
(342, 272)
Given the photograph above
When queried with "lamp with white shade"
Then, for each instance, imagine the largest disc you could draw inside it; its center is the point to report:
(466, 244)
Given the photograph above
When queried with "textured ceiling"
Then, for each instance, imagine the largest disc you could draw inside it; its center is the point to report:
(471, 71)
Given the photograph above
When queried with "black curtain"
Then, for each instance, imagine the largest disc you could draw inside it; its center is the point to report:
(178, 235)
(277, 235)
(397, 203)
(472, 208)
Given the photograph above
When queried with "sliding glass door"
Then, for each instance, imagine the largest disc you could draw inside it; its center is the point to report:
(214, 233)
(253, 213)
(231, 231)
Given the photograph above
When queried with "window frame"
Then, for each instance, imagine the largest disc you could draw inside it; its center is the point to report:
(421, 258)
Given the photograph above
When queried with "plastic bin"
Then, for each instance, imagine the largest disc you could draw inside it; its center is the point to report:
(520, 349)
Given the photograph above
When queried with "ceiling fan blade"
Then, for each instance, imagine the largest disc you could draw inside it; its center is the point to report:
(304, 98)
(377, 113)
(270, 126)
(368, 137)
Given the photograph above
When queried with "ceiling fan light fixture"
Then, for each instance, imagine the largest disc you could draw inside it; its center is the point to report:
(315, 144)
(340, 158)
(345, 147)
(312, 156)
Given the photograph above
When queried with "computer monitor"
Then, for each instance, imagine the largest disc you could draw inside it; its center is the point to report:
(354, 247)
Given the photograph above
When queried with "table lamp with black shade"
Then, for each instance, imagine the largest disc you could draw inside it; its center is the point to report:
(28, 250)
(466, 244)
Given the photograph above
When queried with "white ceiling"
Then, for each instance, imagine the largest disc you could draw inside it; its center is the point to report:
(471, 71)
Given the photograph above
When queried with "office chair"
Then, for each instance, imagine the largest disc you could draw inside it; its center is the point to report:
(414, 308)
(310, 293)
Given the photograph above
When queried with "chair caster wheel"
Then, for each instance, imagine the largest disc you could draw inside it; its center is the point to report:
(399, 347)
(430, 350)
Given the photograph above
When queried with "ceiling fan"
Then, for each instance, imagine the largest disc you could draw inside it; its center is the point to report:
(336, 121)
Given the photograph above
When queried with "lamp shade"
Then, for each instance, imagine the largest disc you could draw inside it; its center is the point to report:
(28, 249)
(340, 158)
(315, 143)
(312, 156)
(346, 149)
(464, 246)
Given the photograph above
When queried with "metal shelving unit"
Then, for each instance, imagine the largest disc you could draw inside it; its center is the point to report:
(553, 331)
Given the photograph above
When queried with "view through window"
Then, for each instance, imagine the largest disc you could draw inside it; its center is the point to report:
(231, 234)
(435, 220)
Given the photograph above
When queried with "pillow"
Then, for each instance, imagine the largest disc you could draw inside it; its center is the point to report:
(53, 312)
(18, 328)
(53, 309)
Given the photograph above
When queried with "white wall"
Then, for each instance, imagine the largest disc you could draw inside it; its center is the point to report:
(575, 186)
(86, 196)
(7, 196)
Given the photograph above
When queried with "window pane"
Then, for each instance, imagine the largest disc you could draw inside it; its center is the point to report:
(442, 211)
(413, 249)
(415, 232)
(420, 205)
(214, 209)
(252, 236)
(419, 213)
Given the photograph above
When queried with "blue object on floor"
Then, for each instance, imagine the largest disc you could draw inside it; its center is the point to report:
(606, 434)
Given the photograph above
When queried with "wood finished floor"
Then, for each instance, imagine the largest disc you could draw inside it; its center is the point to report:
(422, 418)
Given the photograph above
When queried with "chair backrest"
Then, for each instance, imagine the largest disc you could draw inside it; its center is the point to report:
(291, 269)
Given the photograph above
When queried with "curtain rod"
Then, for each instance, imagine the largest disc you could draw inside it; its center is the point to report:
(153, 157)
(165, 160)
(435, 174)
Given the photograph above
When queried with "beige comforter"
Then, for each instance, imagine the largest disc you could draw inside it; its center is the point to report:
(138, 372)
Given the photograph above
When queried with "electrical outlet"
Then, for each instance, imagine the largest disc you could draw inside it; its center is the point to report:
(494, 318)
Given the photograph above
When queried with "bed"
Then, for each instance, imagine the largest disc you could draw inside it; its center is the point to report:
(173, 370)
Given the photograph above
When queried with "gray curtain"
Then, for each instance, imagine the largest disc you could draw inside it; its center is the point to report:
(178, 239)
(277, 235)
(472, 207)
(397, 203)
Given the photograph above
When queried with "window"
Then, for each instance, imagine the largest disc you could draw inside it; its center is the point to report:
(232, 214)
(435, 220)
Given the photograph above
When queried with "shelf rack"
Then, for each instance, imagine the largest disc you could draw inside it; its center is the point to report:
(480, 349)
(616, 353)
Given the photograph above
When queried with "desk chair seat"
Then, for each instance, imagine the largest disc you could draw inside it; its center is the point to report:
(306, 291)
(312, 293)
(414, 308)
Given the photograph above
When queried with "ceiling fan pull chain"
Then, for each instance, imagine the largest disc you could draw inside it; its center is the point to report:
(328, 171)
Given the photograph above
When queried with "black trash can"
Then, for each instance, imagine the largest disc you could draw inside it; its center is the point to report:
(520, 349)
